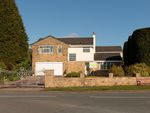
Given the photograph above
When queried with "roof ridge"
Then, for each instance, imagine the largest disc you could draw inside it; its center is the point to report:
(109, 46)
(42, 39)
(68, 40)
(73, 37)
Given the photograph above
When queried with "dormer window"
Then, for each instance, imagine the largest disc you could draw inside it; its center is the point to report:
(46, 49)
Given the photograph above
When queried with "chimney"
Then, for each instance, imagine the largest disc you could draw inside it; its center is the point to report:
(94, 41)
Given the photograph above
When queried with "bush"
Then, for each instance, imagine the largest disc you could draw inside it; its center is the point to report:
(2, 74)
(117, 71)
(8, 76)
(12, 74)
(73, 74)
(141, 68)
(24, 64)
(2, 65)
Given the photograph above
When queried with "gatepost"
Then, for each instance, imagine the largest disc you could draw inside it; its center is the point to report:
(49, 78)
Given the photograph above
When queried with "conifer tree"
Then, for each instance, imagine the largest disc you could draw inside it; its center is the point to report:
(13, 38)
(137, 48)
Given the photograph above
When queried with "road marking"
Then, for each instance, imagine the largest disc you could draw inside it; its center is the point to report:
(27, 96)
(112, 97)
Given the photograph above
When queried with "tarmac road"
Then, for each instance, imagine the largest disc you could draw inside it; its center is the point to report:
(74, 102)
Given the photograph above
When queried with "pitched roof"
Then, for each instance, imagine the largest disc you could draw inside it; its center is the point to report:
(107, 56)
(40, 39)
(72, 40)
(108, 48)
(77, 40)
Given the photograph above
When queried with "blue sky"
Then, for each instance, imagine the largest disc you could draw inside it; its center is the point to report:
(112, 20)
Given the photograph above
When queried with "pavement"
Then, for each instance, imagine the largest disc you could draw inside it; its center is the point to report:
(20, 89)
(39, 101)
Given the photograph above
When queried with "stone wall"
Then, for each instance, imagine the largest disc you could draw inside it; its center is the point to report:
(51, 81)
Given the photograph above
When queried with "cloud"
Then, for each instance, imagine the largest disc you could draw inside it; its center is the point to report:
(72, 35)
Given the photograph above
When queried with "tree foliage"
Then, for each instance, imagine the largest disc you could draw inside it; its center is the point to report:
(137, 48)
(13, 38)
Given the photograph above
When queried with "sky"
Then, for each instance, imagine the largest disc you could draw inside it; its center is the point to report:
(112, 20)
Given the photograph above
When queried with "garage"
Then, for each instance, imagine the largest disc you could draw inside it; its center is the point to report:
(40, 67)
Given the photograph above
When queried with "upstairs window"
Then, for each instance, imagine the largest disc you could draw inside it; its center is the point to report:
(59, 49)
(46, 49)
(72, 57)
(86, 50)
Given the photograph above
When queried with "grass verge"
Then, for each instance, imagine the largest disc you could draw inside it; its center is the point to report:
(99, 88)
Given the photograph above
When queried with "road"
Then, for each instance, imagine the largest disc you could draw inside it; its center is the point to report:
(74, 102)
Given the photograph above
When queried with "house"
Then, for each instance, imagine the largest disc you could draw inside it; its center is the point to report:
(77, 54)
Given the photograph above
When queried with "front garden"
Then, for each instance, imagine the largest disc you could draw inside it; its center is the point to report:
(14, 74)
(119, 71)
(131, 70)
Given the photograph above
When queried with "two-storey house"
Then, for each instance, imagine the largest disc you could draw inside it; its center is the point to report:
(76, 54)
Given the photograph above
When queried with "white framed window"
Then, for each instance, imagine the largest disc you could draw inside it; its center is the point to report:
(86, 50)
(72, 57)
(46, 49)
(59, 49)
(105, 65)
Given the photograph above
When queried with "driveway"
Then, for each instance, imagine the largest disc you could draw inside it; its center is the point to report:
(74, 102)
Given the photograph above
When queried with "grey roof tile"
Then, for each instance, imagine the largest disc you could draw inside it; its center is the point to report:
(107, 56)
(77, 40)
(108, 48)
(72, 41)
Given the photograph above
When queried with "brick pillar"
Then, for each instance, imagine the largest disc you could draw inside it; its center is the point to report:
(138, 75)
(111, 75)
(49, 78)
(82, 75)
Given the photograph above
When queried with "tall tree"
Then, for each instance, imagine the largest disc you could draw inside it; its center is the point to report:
(141, 39)
(125, 52)
(137, 48)
(13, 38)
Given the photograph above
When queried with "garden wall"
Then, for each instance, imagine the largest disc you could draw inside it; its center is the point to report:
(52, 81)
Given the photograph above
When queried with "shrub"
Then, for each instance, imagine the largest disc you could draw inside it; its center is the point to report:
(6, 75)
(141, 68)
(117, 71)
(12, 77)
(24, 64)
(2, 65)
(73, 74)
(2, 74)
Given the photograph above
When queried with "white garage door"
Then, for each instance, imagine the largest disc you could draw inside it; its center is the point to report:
(40, 67)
